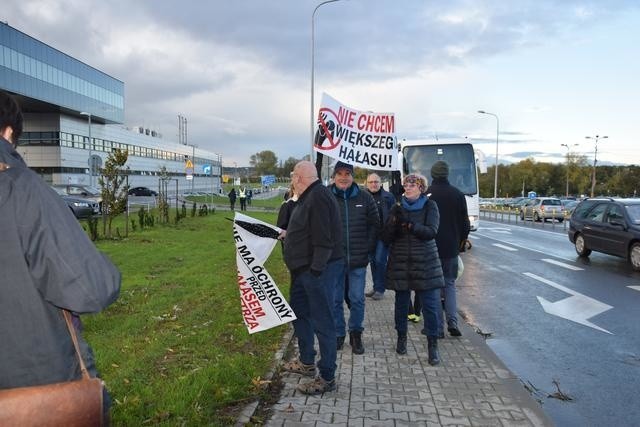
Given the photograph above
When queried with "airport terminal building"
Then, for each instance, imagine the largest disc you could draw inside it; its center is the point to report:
(74, 117)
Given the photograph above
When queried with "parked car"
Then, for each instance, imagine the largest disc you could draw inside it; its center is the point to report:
(80, 191)
(81, 208)
(569, 205)
(542, 209)
(142, 191)
(610, 226)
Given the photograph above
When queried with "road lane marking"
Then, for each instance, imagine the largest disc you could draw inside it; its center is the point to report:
(637, 288)
(526, 248)
(508, 248)
(578, 308)
(562, 264)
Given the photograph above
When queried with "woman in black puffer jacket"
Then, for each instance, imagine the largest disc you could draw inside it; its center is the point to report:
(413, 262)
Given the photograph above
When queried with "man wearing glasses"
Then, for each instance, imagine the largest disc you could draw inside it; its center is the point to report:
(378, 260)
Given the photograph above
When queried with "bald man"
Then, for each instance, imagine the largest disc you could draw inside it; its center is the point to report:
(313, 253)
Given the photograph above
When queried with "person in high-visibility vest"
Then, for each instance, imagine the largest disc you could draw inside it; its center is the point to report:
(243, 199)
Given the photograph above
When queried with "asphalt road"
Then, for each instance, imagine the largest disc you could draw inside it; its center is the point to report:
(568, 327)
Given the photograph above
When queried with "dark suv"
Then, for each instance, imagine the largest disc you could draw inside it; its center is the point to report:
(611, 226)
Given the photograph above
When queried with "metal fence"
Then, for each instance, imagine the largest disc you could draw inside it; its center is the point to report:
(512, 216)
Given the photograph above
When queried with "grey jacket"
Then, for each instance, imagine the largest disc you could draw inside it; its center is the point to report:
(47, 263)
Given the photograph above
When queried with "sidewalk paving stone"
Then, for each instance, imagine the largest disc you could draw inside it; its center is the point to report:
(470, 387)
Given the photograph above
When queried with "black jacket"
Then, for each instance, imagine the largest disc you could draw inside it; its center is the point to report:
(360, 224)
(413, 262)
(314, 232)
(454, 220)
(47, 263)
(384, 201)
(286, 208)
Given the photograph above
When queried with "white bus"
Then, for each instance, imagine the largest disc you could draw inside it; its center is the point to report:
(419, 156)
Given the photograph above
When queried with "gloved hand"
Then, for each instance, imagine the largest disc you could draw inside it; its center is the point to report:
(397, 214)
(408, 225)
(315, 273)
(465, 244)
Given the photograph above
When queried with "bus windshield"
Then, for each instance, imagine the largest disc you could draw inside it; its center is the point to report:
(459, 157)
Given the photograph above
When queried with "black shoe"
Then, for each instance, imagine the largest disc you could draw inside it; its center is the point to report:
(401, 345)
(355, 339)
(454, 331)
(339, 342)
(432, 349)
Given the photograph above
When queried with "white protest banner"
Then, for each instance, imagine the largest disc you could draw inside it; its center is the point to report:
(263, 305)
(360, 138)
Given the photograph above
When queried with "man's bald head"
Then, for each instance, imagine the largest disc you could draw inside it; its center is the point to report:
(304, 174)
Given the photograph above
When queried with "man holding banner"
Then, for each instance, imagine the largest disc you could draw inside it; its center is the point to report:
(313, 253)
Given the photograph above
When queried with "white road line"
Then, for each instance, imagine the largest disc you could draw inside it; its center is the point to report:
(508, 248)
(562, 264)
(524, 247)
(637, 288)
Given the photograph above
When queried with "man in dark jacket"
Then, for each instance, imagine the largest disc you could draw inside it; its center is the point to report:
(360, 227)
(48, 263)
(313, 254)
(378, 261)
(453, 230)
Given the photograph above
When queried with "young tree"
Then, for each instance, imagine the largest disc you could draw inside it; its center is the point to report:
(264, 162)
(114, 193)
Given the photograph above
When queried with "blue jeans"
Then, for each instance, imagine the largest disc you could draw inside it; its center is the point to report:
(450, 271)
(356, 278)
(378, 264)
(312, 302)
(430, 308)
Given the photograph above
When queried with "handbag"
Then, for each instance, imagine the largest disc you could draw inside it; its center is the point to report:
(72, 403)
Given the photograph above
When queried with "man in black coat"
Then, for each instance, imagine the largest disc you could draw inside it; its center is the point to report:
(314, 256)
(453, 230)
(378, 261)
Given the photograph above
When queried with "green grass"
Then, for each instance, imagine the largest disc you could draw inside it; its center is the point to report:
(173, 349)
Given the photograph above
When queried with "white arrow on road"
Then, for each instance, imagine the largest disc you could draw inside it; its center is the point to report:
(577, 308)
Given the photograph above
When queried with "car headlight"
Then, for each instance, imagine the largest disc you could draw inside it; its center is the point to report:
(81, 204)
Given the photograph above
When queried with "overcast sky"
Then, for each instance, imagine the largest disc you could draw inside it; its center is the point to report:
(240, 71)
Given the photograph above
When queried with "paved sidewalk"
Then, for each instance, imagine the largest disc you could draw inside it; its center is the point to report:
(470, 387)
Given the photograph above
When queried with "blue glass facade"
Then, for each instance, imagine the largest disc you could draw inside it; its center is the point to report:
(35, 70)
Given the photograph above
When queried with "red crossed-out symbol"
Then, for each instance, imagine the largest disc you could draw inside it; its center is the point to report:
(323, 123)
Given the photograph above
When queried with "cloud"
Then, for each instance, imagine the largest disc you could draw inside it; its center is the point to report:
(240, 71)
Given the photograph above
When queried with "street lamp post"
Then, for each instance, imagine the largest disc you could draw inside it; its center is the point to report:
(568, 149)
(313, 43)
(84, 113)
(595, 161)
(495, 180)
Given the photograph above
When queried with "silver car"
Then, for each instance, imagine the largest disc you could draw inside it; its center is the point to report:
(81, 208)
(542, 209)
(80, 191)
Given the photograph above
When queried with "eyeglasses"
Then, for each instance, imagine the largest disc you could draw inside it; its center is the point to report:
(373, 182)
(409, 185)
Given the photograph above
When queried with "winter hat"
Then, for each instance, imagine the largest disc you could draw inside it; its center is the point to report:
(342, 165)
(440, 169)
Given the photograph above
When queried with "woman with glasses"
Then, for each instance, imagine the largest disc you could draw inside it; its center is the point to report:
(414, 264)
